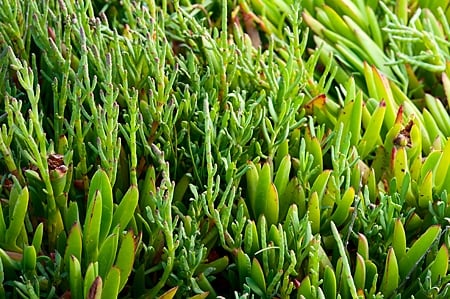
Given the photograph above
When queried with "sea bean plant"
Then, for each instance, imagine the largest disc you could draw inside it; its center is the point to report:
(224, 148)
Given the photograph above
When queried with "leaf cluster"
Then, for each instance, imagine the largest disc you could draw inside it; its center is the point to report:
(241, 149)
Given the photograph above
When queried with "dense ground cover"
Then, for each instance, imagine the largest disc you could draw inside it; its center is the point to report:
(224, 148)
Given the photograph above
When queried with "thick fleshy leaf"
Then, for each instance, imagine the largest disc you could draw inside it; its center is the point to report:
(91, 228)
(125, 258)
(107, 253)
(100, 182)
(74, 244)
(111, 284)
(16, 222)
(169, 294)
(125, 210)
(75, 278)
(418, 250)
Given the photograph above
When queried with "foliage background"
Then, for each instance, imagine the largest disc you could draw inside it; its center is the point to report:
(224, 148)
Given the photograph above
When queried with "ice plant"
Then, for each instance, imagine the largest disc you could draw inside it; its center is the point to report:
(208, 149)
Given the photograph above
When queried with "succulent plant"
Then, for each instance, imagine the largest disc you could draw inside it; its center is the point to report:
(202, 149)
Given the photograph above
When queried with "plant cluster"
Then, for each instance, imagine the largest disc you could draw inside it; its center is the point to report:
(246, 149)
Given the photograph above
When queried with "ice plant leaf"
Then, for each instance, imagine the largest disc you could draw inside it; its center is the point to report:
(169, 294)
(262, 190)
(111, 284)
(329, 283)
(343, 206)
(17, 219)
(125, 210)
(125, 258)
(37, 238)
(320, 183)
(439, 266)
(272, 205)
(91, 228)
(252, 177)
(391, 274)
(282, 175)
(100, 182)
(95, 291)
(29, 259)
(244, 265)
(74, 244)
(442, 169)
(75, 278)
(372, 133)
(314, 212)
(360, 273)
(257, 274)
(399, 239)
(107, 253)
(418, 250)
(426, 190)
